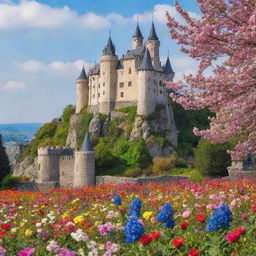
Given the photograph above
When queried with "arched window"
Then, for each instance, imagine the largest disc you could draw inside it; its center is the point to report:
(130, 71)
(130, 83)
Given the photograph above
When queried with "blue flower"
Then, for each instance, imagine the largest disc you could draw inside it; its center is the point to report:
(220, 218)
(133, 230)
(134, 208)
(117, 200)
(166, 216)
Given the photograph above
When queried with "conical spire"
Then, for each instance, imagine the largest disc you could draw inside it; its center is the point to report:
(87, 145)
(82, 74)
(168, 67)
(152, 34)
(109, 48)
(137, 32)
(146, 63)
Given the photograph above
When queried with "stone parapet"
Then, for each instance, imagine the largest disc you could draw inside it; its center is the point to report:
(55, 150)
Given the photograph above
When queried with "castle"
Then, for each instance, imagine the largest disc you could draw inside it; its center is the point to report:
(138, 78)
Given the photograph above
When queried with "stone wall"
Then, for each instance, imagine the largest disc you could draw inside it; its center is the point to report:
(66, 171)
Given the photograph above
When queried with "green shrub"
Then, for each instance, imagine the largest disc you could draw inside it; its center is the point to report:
(163, 164)
(181, 162)
(10, 181)
(212, 159)
(195, 175)
(133, 172)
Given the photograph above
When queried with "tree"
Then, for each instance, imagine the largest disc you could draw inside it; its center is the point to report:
(223, 39)
(5, 167)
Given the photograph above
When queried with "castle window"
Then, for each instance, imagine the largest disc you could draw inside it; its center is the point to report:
(160, 91)
(121, 85)
(160, 83)
(103, 73)
(93, 96)
(148, 79)
(98, 95)
(130, 71)
(93, 78)
(94, 86)
(103, 92)
(103, 84)
(122, 94)
(99, 85)
(129, 83)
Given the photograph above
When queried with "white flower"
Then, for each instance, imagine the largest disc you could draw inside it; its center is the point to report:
(38, 225)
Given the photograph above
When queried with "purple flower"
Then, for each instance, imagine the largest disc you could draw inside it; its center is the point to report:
(2, 251)
(65, 252)
(27, 252)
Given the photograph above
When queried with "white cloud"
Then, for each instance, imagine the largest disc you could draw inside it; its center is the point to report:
(31, 14)
(159, 14)
(13, 85)
(34, 66)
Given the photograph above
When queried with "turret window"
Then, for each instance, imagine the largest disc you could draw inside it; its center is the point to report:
(130, 71)
(103, 92)
(98, 95)
(99, 86)
(130, 83)
(103, 84)
(160, 91)
(121, 85)
(121, 94)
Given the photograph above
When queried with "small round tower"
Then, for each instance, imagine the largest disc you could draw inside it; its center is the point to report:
(84, 172)
(153, 45)
(108, 78)
(82, 92)
(146, 95)
(137, 39)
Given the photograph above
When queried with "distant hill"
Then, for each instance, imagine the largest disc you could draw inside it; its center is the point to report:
(19, 133)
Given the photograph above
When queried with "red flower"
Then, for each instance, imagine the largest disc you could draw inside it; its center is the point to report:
(2, 234)
(145, 239)
(184, 225)
(232, 236)
(6, 226)
(200, 217)
(177, 242)
(240, 230)
(193, 252)
(40, 213)
(155, 235)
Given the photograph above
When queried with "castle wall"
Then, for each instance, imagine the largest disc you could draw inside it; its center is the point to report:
(66, 165)
(127, 82)
(94, 90)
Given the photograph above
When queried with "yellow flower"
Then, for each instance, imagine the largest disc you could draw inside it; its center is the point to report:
(28, 232)
(78, 219)
(147, 215)
(22, 224)
(64, 216)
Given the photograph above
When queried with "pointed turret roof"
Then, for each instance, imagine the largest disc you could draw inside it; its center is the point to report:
(109, 48)
(137, 32)
(87, 145)
(146, 63)
(152, 34)
(82, 75)
(168, 67)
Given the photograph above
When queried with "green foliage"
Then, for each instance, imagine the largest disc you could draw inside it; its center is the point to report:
(50, 134)
(5, 167)
(195, 175)
(163, 164)
(212, 159)
(181, 162)
(9, 181)
(131, 115)
(185, 121)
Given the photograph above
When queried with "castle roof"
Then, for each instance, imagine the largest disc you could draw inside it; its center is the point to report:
(146, 63)
(120, 65)
(109, 49)
(137, 32)
(152, 34)
(87, 145)
(168, 67)
(95, 70)
(82, 75)
(139, 51)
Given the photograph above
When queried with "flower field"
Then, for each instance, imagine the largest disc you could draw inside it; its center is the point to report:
(215, 217)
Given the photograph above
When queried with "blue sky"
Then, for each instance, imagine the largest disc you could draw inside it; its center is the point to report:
(43, 45)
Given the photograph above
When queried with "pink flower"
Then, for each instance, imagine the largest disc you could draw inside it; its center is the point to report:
(186, 214)
(233, 236)
(27, 252)
(105, 229)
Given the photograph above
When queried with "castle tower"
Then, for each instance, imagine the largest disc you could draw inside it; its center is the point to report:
(108, 78)
(168, 70)
(84, 172)
(153, 45)
(137, 39)
(146, 95)
(82, 92)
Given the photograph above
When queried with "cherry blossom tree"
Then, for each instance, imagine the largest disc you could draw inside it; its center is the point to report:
(223, 40)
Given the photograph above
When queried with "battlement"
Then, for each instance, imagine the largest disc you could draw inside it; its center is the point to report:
(55, 151)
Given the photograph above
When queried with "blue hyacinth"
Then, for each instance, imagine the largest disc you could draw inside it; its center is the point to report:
(220, 218)
(133, 230)
(166, 216)
(134, 208)
(117, 200)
